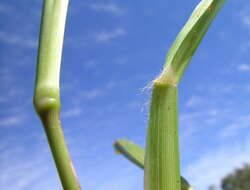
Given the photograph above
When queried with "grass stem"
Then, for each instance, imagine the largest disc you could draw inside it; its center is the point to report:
(47, 95)
(162, 170)
(162, 167)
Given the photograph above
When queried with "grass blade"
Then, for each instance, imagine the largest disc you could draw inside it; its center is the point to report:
(188, 40)
(135, 154)
(131, 151)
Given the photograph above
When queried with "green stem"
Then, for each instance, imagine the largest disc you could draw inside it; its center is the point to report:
(162, 152)
(162, 170)
(47, 95)
(51, 122)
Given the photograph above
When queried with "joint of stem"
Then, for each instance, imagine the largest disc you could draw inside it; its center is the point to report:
(162, 82)
(167, 77)
(46, 99)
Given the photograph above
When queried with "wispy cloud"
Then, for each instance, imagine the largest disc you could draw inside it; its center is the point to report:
(107, 36)
(245, 17)
(105, 180)
(12, 120)
(243, 67)
(216, 165)
(217, 89)
(194, 101)
(17, 165)
(93, 93)
(13, 39)
(234, 129)
(71, 112)
(108, 8)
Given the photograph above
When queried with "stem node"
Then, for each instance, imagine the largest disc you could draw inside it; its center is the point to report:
(45, 99)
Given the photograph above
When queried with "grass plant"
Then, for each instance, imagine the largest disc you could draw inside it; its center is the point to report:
(161, 163)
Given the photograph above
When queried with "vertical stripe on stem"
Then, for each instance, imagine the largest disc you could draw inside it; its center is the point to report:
(162, 170)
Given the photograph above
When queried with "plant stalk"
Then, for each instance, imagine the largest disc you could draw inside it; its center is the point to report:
(162, 169)
(47, 95)
(162, 153)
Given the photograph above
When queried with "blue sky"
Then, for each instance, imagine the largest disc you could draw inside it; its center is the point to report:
(112, 50)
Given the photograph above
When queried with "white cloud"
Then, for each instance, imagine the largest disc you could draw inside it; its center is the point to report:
(245, 17)
(71, 112)
(239, 124)
(12, 120)
(24, 167)
(201, 117)
(127, 175)
(215, 165)
(97, 92)
(108, 8)
(213, 112)
(221, 88)
(32, 166)
(13, 39)
(7, 94)
(189, 116)
(246, 20)
(244, 67)
(194, 101)
(90, 63)
(92, 94)
(111, 35)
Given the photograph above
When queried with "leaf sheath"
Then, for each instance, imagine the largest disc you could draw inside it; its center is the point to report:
(162, 170)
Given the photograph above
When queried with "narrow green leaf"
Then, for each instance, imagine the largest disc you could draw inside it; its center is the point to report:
(131, 151)
(188, 40)
(135, 154)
